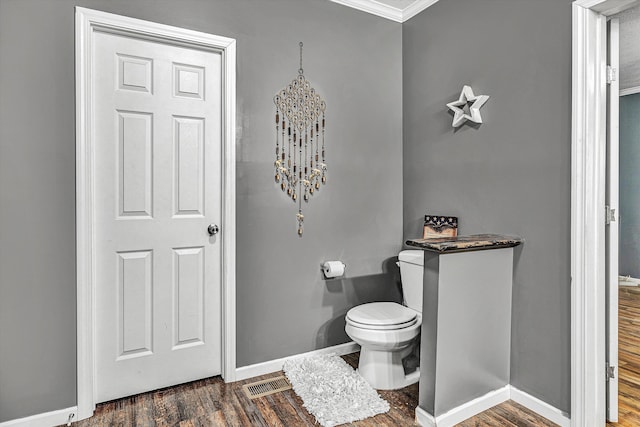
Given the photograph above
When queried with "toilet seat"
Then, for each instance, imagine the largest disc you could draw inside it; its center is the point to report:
(382, 316)
(382, 327)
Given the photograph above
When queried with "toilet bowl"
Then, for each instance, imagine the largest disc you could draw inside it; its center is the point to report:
(388, 332)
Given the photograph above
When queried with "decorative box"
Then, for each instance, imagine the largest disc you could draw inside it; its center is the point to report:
(436, 226)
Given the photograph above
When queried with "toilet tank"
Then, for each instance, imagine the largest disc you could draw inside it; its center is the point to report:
(411, 271)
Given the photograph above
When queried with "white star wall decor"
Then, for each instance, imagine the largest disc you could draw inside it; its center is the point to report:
(458, 107)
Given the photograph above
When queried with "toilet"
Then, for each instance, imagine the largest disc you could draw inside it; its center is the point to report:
(387, 331)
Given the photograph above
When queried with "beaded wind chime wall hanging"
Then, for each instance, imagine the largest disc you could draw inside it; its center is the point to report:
(300, 165)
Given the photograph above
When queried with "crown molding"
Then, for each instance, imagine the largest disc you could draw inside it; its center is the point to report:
(415, 8)
(374, 7)
(385, 11)
(606, 8)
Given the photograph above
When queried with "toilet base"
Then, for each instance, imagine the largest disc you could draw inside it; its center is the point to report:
(383, 369)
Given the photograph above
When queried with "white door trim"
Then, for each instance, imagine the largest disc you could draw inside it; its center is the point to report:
(86, 23)
(612, 229)
(588, 172)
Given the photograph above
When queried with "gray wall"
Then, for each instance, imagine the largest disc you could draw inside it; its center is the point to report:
(284, 307)
(629, 262)
(512, 173)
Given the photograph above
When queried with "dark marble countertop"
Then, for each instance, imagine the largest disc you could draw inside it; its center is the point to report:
(474, 242)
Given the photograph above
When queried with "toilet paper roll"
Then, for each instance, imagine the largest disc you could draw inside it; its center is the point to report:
(333, 269)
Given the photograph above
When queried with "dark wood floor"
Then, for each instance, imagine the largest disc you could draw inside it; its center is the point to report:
(628, 358)
(211, 402)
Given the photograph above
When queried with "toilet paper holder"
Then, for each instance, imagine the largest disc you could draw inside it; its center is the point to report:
(333, 269)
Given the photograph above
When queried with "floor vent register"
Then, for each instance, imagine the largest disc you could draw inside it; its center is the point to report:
(266, 387)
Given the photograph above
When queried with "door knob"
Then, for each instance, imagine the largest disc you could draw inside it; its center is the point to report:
(213, 229)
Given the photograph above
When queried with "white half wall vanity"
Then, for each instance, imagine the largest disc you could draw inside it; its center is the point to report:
(465, 345)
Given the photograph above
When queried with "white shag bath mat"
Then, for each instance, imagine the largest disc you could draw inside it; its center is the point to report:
(332, 391)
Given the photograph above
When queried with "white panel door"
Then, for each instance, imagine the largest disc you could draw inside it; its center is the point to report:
(611, 262)
(157, 184)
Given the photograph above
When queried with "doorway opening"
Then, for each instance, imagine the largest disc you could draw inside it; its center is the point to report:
(590, 351)
(623, 250)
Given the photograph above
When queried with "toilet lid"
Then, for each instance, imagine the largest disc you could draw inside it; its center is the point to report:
(382, 315)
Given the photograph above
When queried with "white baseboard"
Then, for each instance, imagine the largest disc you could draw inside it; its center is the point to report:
(628, 281)
(482, 403)
(424, 419)
(539, 407)
(473, 407)
(46, 419)
(464, 411)
(630, 91)
(275, 365)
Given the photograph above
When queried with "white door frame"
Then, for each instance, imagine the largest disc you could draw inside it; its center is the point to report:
(87, 22)
(612, 229)
(588, 169)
